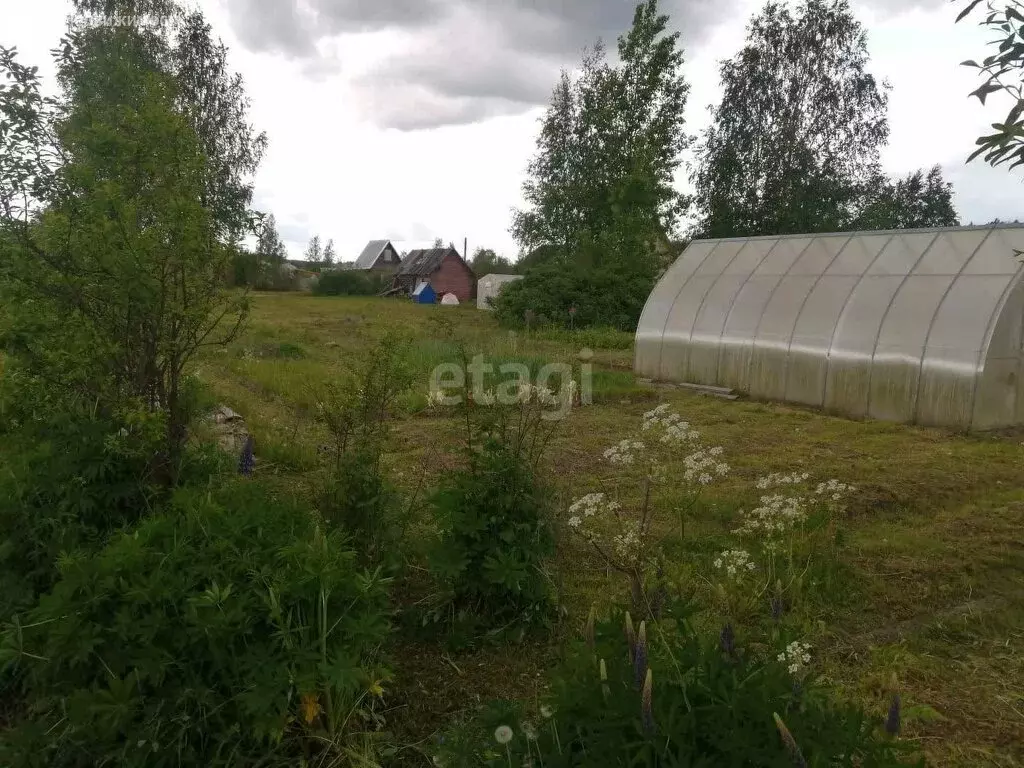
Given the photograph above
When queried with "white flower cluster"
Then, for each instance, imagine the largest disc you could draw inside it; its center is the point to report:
(776, 516)
(775, 480)
(734, 562)
(704, 466)
(624, 452)
(674, 431)
(434, 399)
(796, 656)
(543, 395)
(833, 489)
(628, 543)
(589, 506)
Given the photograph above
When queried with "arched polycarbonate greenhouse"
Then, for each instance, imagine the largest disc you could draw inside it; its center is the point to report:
(917, 326)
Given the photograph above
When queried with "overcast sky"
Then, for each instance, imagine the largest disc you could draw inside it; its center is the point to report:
(414, 119)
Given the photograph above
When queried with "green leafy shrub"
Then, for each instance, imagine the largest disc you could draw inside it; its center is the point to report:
(611, 296)
(494, 517)
(359, 496)
(663, 696)
(228, 631)
(351, 282)
(68, 484)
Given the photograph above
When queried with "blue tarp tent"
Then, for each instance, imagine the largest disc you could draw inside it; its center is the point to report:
(424, 294)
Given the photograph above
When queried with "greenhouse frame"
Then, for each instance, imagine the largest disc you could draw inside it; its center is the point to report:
(921, 326)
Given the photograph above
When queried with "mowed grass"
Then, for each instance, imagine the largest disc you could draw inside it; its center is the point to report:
(932, 563)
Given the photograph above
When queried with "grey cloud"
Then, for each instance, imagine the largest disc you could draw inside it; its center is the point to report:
(272, 26)
(502, 75)
(293, 27)
(409, 109)
(473, 59)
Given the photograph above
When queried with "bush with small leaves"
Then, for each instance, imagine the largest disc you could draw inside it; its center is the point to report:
(494, 516)
(228, 631)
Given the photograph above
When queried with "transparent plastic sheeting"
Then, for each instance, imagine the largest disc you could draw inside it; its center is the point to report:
(912, 325)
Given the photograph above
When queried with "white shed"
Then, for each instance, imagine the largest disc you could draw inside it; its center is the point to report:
(489, 286)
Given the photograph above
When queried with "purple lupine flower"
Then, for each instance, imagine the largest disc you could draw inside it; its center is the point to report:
(790, 743)
(247, 461)
(646, 710)
(640, 658)
(727, 641)
(892, 720)
(777, 608)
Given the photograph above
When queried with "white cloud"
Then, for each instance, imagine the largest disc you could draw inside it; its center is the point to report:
(332, 170)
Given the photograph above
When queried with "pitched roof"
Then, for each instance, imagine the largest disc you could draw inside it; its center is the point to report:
(370, 253)
(424, 262)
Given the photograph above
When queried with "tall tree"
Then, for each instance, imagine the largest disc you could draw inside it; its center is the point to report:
(795, 141)
(1003, 72)
(215, 102)
(314, 252)
(916, 201)
(330, 255)
(485, 262)
(116, 274)
(269, 246)
(600, 188)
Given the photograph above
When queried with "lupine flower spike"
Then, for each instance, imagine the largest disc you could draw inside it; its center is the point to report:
(790, 743)
(588, 629)
(630, 636)
(247, 461)
(892, 720)
(640, 656)
(646, 712)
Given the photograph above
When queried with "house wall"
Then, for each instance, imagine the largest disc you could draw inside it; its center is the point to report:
(453, 276)
(388, 260)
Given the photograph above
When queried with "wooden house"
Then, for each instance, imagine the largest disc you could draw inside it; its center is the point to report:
(443, 268)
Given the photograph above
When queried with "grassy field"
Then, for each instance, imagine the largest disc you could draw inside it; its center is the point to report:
(933, 557)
